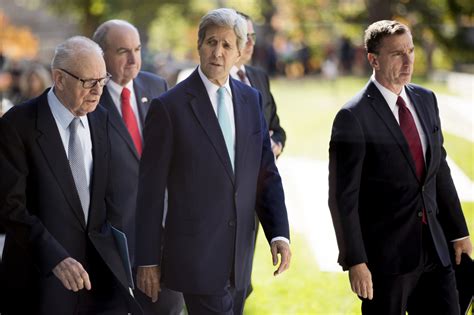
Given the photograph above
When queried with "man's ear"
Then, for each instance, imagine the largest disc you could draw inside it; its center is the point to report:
(58, 79)
(373, 60)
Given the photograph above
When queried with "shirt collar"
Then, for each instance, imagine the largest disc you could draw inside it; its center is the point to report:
(60, 113)
(234, 69)
(117, 88)
(389, 96)
(212, 88)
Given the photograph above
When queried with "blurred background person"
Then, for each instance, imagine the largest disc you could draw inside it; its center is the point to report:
(33, 81)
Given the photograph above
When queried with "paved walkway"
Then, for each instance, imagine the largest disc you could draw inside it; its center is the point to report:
(306, 185)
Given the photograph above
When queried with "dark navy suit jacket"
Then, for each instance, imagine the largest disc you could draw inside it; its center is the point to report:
(259, 80)
(42, 213)
(124, 157)
(375, 196)
(209, 235)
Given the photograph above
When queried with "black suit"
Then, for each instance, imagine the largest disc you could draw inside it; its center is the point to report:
(41, 211)
(124, 176)
(375, 196)
(209, 235)
(259, 80)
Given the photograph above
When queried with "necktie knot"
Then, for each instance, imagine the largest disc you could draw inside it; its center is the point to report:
(401, 102)
(241, 75)
(125, 94)
(74, 124)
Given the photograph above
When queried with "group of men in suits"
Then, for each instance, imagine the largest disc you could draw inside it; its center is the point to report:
(72, 172)
(395, 209)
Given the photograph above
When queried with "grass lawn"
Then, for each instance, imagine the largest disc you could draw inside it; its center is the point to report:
(307, 108)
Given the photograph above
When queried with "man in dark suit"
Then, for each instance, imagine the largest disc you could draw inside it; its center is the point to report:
(127, 97)
(206, 141)
(394, 205)
(259, 79)
(60, 255)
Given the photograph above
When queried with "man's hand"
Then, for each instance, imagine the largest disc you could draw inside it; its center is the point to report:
(277, 147)
(72, 275)
(148, 281)
(460, 247)
(282, 248)
(361, 281)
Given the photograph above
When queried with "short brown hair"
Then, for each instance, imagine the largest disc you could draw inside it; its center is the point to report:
(379, 30)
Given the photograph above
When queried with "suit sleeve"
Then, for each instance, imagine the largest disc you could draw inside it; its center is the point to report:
(346, 158)
(26, 229)
(270, 204)
(450, 212)
(279, 134)
(153, 174)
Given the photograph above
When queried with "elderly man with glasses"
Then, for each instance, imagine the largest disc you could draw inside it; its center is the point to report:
(60, 255)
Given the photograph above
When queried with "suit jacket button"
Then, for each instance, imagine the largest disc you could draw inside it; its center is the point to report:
(231, 223)
(420, 214)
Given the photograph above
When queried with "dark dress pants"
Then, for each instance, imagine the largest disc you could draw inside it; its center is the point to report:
(429, 289)
(228, 301)
(169, 302)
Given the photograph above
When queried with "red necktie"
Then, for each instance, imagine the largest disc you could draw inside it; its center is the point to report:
(130, 120)
(408, 127)
(242, 76)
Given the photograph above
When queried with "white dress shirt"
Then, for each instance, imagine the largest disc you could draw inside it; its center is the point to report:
(115, 91)
(233, 74)
(391, 99)
(63, 118)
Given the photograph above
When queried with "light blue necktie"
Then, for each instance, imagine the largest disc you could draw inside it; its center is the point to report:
(224, 122)
(78, 168)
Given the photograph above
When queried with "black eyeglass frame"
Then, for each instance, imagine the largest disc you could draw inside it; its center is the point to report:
(90, 83)
(252, 36)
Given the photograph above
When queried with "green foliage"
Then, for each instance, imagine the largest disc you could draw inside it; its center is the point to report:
(303, 289)
(461, 151)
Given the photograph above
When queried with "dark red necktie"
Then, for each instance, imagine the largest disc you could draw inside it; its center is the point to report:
(408, 127)
(130, 120)
(242, 76)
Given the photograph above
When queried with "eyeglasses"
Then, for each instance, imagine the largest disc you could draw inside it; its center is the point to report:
(90, 83)
(252, 36)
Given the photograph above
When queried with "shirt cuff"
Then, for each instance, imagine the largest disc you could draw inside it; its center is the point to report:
(280, 238)
(460, 239)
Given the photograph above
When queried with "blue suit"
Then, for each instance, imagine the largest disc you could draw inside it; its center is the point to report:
(124, 175)
(210, 226)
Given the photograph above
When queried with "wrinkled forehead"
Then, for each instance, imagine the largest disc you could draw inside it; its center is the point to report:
(88, 64)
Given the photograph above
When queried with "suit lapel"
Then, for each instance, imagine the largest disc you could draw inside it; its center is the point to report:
(202, 108)
(117, 122)
(99, 144)
(379, 104)
(54, 152)
(143, 100)
(250, 76)
(241, 114)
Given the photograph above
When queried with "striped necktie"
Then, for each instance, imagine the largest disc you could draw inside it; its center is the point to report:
(77, 165)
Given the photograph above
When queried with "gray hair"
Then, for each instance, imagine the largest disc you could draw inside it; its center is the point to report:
(100, 34)
(65, 53)
(224, 17)
(377, 31)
